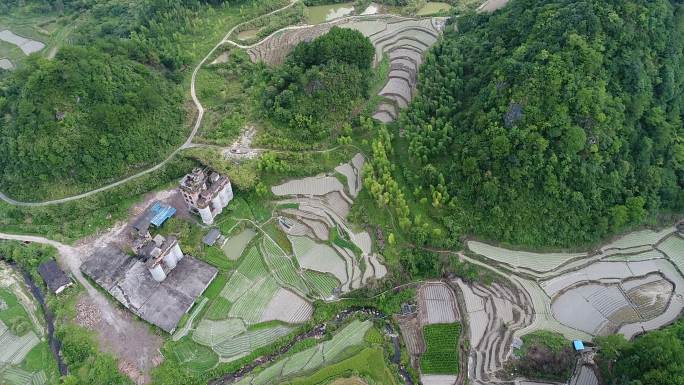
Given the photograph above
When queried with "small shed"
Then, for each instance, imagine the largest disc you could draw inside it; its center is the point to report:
(54, 277)
(160, 213)
(517, 343)
(211, 237)
(154, 215)
(578, 345)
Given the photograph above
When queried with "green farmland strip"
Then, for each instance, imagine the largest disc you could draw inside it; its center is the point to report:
(441, 354)
(283, 267)
(15, 376)
(252, 265)
(250, 341)
(299, 360)
(369, 363)
(237, 285)
(194, 356)
(321, 283)
(349, 336)
(252, 304)
(218, 309)
(210, 333)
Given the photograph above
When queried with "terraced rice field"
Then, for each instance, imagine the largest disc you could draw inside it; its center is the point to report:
(319, 257)
(313, 358)
(287, 307)
(309, 186)
(6, 64)
(632, 284)
(673, 247)
(27, 46)
(495, 313)
(15, 348)
(210, 332)
(12, 375)
(251, 306)
(249, 341)
(585, 376)
(437, 304)
(309, 217)
(282, 267)
(537, 262)
(404, 40)
(438, 379)
(320, 283)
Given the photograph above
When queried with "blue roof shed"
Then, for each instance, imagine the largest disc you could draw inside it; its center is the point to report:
(578, 345)
(160, 213)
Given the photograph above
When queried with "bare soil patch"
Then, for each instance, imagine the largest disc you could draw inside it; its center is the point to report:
(128, 339)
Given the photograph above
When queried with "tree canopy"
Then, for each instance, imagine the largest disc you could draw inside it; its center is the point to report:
(655, 358)
(319, 83)
(553, 122)
(85, 116)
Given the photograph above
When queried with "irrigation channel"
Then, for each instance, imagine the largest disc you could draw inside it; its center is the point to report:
(55, 344)
(318, 331)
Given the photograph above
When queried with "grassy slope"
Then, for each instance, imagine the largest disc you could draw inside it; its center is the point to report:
(369, 363)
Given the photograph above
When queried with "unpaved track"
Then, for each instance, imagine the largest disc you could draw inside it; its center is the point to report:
(119, 333)
(186, 144)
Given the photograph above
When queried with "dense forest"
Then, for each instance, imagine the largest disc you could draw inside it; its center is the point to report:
(108, 104)
(654, 358)
(319, 83)
(552, 123)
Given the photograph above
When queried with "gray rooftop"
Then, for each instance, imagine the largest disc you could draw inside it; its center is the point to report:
(162, 304)
(53, 275)
(211, 237)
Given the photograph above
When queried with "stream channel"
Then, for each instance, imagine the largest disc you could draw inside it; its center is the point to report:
(318, 331)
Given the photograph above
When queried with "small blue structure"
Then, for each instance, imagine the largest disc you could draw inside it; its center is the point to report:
(160, 213)
(154, 215)
(578, 345)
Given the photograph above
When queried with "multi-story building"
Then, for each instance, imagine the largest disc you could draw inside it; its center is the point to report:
(206, 193)
(160, 255)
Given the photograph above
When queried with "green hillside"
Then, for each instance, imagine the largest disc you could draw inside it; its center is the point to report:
(553, 123)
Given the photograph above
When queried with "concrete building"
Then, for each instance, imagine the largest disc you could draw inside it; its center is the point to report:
(129, 279)
(206, 193)
(160, 255)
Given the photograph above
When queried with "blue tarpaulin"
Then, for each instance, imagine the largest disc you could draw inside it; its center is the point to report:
(161, 213)
(579, 345)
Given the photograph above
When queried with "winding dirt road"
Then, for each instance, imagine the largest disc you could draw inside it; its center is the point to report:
(186, 144)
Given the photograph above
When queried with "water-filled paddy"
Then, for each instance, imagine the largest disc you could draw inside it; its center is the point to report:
(248, 34)
(322, 13)
(432, 7)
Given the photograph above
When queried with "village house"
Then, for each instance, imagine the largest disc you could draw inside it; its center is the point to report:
(54, 277)
(206, 193)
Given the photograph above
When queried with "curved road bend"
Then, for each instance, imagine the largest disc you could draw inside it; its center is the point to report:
(188, 141)
(200, 109)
